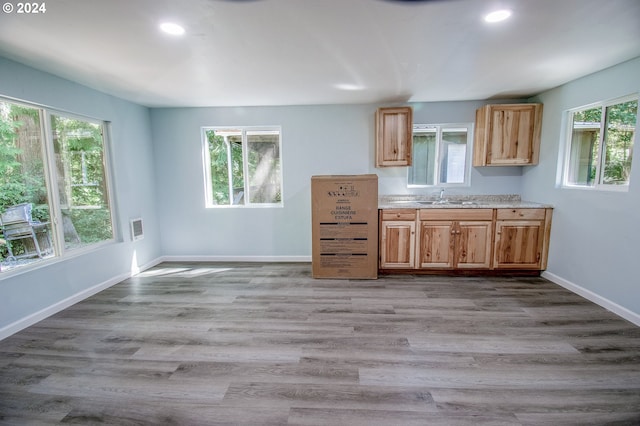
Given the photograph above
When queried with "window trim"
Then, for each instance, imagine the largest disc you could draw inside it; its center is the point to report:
(568, 141)
(209, 204)
(468, 155)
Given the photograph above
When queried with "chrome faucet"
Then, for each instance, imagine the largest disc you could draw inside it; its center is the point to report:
(441, 194)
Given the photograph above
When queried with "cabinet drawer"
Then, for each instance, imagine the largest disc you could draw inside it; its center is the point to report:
(456, 214)
(516, 214)
(399, 214)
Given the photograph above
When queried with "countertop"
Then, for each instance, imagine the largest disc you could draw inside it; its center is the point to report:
(508, 201)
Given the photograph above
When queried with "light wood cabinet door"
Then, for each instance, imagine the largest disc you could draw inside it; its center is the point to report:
(394, 130)
(436, 244)
(507, 135)
(473, 244)
(397, 244)
(519, 244)
(455, 244)
(455, 238)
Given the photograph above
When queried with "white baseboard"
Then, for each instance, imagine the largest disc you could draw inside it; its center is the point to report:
(29, 320)
(137, 269)
(63, 304)
(273, 259)
(595, 298)
(57, 307)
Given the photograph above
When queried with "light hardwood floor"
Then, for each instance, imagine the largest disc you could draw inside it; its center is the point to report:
(258, 344)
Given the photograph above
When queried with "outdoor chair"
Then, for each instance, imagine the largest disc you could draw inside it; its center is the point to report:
(17, 224)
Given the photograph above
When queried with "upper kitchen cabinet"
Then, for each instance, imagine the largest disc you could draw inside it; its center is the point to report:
(394, 127)
(507, 135)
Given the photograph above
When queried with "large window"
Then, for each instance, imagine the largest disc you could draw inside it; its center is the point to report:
(54, 192)
(242, 166)
(82, 191)
(600, 144)
(441, 155)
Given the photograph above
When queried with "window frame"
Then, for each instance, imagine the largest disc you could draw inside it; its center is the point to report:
(440, 127)
(209, 200)
(54, 195)
(598, 184)
(50, 173)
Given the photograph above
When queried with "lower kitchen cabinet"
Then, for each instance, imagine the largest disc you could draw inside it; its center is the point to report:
(397, 239)
(464, 239)
(522, 237)
(455, 238)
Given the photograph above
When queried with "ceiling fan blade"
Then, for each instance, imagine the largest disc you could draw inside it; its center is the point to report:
(415, 1)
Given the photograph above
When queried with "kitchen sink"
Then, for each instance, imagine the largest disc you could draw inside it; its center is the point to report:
(448, 202)
(436, 202)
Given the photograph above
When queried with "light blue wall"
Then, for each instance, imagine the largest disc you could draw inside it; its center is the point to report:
(595, 237)
(316, 140)
(29, 292)
(157, 158)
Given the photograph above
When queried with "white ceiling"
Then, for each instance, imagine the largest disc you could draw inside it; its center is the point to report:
(295, 52)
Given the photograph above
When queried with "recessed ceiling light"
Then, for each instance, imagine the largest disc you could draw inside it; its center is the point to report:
(171, 28)
(348, 86)
(497, 16)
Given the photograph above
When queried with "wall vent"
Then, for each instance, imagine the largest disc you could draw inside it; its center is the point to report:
(137, 232)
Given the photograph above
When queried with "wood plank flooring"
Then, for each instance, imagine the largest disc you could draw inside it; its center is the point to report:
(265, 344)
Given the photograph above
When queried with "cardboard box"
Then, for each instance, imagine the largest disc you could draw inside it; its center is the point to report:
(344, 219)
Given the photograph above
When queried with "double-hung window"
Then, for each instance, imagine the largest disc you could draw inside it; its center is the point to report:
(441, 155)
(242, 166)
(54, 186)
(599, 144)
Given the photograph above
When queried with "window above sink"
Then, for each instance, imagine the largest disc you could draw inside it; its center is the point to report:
(441, 155)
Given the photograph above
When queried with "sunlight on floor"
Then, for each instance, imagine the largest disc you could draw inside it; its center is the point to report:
(181, 272)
